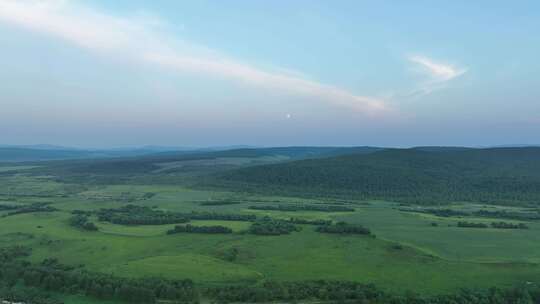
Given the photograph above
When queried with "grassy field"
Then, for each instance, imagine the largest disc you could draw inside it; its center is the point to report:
(135, 251)
(428, 260)
(448, 241)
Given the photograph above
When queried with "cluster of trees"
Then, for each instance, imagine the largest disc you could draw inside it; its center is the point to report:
(464, 224)
(344, 228)
(199, 229)
(51, 276)
(219, 203)
(35, 207)
(140, 215)
(316, 222)
(269, 226)
(303, 207)
(503, 214)
(505, 225)
(81, 222)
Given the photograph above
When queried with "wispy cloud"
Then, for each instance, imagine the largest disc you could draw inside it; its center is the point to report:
(438, 73)
(139, 40)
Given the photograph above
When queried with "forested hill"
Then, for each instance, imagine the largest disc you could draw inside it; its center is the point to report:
(503, 175)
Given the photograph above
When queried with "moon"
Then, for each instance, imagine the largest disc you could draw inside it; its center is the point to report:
(288, 116)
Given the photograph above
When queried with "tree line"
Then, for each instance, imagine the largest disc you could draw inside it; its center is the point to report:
(496, 225)
(503, 214)
(199, 229)
(35, 207)
(505, 225)
(463, 224)
(142, 215)
(344, 228)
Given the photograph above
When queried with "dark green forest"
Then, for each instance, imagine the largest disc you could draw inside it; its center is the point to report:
(501, 175)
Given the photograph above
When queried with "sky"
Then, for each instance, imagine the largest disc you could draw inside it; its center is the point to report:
(269, 73)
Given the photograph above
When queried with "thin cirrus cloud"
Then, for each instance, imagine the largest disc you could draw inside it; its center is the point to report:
(139, 40)
(439, 74)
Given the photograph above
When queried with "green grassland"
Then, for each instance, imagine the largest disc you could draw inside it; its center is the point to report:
(408, 253)
(299, 256)
(432, 260)
(448, 241)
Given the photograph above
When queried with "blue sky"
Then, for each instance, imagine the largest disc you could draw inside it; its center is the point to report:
(268, 73)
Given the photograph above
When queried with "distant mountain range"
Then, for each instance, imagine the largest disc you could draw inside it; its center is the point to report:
(43, 152)
(46, 152)
(30, 153)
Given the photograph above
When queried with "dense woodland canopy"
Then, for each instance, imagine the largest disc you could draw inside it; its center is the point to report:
(503, 175)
